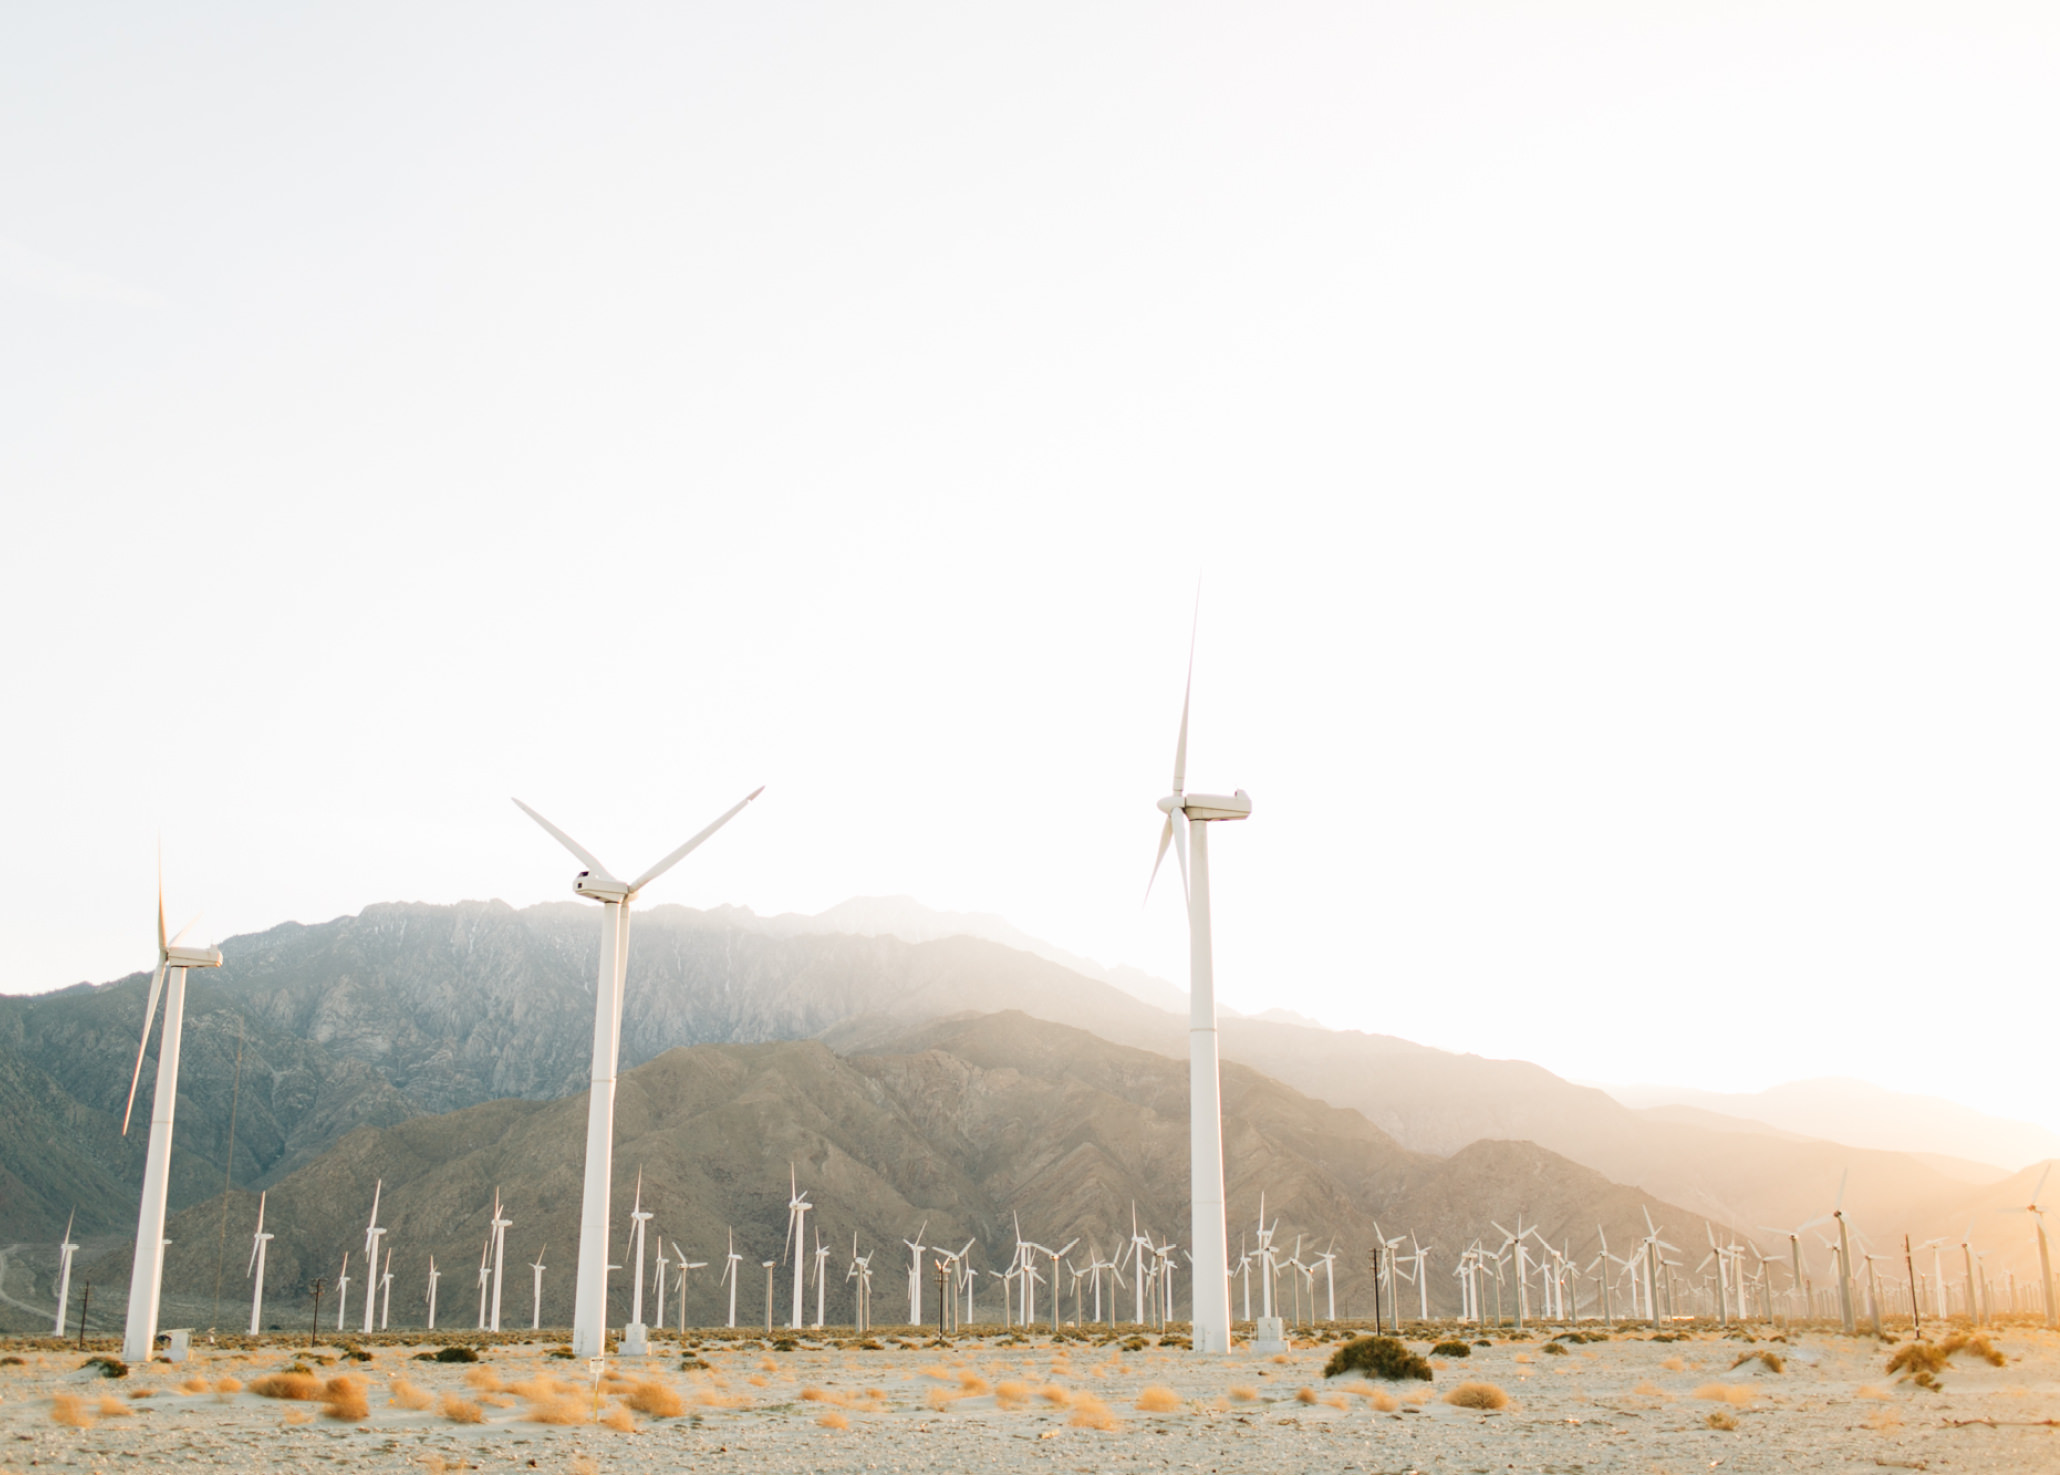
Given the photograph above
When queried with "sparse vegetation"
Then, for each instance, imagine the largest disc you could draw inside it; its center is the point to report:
(295, 1384)
(1451, 1349)
(1770, 1360)
(1477, 1395)
(1555, 1349)
(1090, 1412)
(461, 1410)
(1731, 1393)
(66, 1409)
(1722, 1418)
(343, 1399)
(110, 1367)
(1377, 1357)
(404, 1394)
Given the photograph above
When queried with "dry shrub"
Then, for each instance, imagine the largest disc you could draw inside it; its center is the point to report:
(1976, 1343)
(1672, 1364)
(1158, 1400)
(1054, 1395)
(834, 1420)
(937, 1371)
(496, 1400)
(1244, 1393)
(1870, 1391)
(1279, 1357)
(940, 1399)
(484, 1378)
(820, 1395)
(113, 1408)
(1648, 1389)
(584, 1465)
(1731, 1393)
(461, 1410)
(1884, 1419)
(1722, 1418)
(766, 1364)
(649, 1396)
(758, 1380)
(1377, 1357)
(709, 1398)
(1305, 1395)
(1011, 1395)
(407, 1395)
(1526, 1357)
(298, 1415)
(70, 1412)
(194, 1385)
(1380, 1402)
(563, 1408)
(300, 1387)
(543, 1385)
(227, 1386)
(618, 1418)
(343, 1399)
(1336, 1400)
(1090, 1412)
(1477, 1395)
(972, 1384)
(1770, 1360)
(1919, 1363)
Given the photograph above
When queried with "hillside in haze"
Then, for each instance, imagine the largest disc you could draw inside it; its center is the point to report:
(965, 1124)
(407, 1010)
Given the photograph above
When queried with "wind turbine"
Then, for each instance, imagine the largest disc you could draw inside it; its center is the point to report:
(596, 882)
(915, 1276)
(633, 1342)
(822, 1260)
(797, 1238)
(146, 1277)
(501, 1225)
(2038, 1219)
(729, 1273)
(385, 1289)
(343, 1290)
(372, 1234)
(1188, 817)
(684, 1265)
(430, 1295)
(536, 1291)
(66, 1249)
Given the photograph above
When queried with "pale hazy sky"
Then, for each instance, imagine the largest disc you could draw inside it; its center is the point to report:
(1616, 441)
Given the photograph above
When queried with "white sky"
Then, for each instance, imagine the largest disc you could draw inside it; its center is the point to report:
(1616, 441)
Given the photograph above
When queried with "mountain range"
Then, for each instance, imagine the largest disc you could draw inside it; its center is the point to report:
(412, 1025)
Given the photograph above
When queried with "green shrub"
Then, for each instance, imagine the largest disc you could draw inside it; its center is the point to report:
(1377, 1357)
(110, 1367)
(1554, 1349)
(1451, 1349)
(455, 1354)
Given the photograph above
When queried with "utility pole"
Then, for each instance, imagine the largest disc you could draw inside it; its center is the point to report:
(1909, 1264)
(315, 1323)
(84, 1301)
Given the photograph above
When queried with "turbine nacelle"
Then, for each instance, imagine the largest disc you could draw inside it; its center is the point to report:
(1204, 807)
(602, 887)
(178, 955)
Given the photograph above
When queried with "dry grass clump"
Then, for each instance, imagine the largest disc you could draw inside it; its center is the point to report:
(1054, 1395)
(758, 1380)
(972, 1384)
(1245, 1393)
(618, 1418)
(1477, 1395)
(1090, 1412)
(1870, 1391)
(300, 1387)
(649, 1396)
(70, 1412)
(1648, 1389)
(1919, 1363)
(1731, 1393)
(1672, 1364)
(564, 1408)
(1011, 1395)
(834, 1420)
(766, 1364)
(940, 1399)
(709, 1398)
(1974, 1342)
(1722, 1418)
(1882, 1420)
(194, 1385)
(1771, 1360)
(1158, 1400)
(226, 1387)
(1305, 1395)
(404, 1394)
(484, 1378)
(343, 1399)
(295, 1414)
(461, 1410)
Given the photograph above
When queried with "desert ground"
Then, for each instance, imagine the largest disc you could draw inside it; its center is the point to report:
(1699, 1400)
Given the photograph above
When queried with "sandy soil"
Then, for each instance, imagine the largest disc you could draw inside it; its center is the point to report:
(1626, 1404)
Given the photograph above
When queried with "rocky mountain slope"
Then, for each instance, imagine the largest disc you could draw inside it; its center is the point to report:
(964, 1125)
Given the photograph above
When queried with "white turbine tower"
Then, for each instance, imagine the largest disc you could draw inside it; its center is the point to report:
(385, 1289)
(372, 1234)
(430, 1295)
(797, 1239)
(730, 1262)
(1187, 819)
(65, 1250)
(501, 1225)
(536, 1291)
(590, 1291)
(146, 1278)
(256, 1269)
(915, 1275)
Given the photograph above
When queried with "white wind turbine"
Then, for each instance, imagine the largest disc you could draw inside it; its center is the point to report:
(639, 1216)
(501, 1225)
(2038, 1219)
(797, 1238)
(596, 882)
(536, 1290)
(435, 1275)
(343, 1290)
(66, 1249)
(730, 1263)
(372, 1234)
(822, 1261)
(915, 1275)
(1188, 817)
(146, 1277)
(658, 1283)
(683, 1264)
(385, 1289)
(486, 1275)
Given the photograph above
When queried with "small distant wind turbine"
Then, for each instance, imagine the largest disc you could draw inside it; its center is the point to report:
(730, 1263)
(684, 1265)
(1188, 817)
(633, 1257)
(2038, 1219)
(65, 1250)
(146, 1277)
(590, 1294)
(915, 1275)
(501, 1225)
(430, 1295)
(343, 1290)
(536, 1290)
(797, 1238)
(385, 1289)
(822, 1260)
(372, 1234)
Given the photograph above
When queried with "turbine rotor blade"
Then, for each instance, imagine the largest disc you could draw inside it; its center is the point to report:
(687, 849)
(1165, 839)
(585, 855)
(149, 1014)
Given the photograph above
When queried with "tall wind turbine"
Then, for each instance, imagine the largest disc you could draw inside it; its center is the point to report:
(65, 1250)
(1188, 817)
(797, 1241)
(372, 1234)
(536, 1291)
(256, 1269)
(435, 1275)
(596, 882)
(2038, 1219)
(146, 1278)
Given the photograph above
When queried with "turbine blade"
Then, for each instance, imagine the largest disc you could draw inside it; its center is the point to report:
(1186, 697)
(161, 900)
(1180, 848)
(687, 849)
(183, 930)
(1165, 839)
(585, 855)
(2042, 1181)
(149, 1014)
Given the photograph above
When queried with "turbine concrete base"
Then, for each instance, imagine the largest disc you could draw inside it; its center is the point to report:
(1269, 1334)
(636, 1341)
